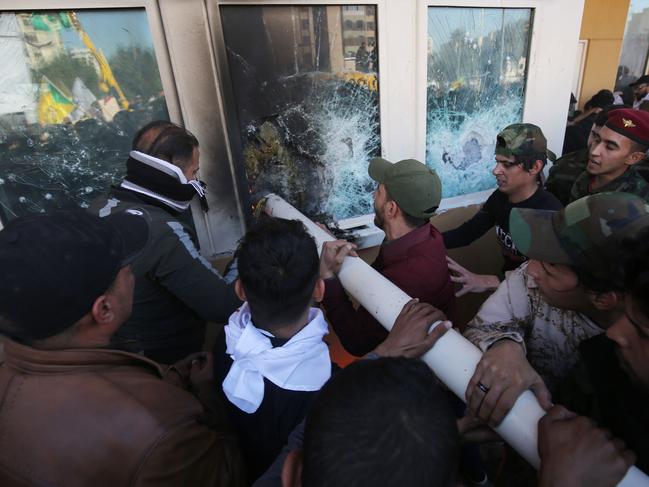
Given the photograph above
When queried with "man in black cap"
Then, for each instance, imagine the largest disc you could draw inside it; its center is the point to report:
(641, 92)
(177, 291)
(75, 412)
(619, 146)
(413, 255)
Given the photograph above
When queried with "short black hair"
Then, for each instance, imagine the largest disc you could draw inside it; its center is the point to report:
(638, 147)
(528, 160)
(155, 124)
(602, 117)
(173, 144)
(636, 269)
(381, 422)
(600, 99)
(411, 221)
(278, 267)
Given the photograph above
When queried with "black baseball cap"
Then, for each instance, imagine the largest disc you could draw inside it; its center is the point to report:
(644, 79)
(55, 265)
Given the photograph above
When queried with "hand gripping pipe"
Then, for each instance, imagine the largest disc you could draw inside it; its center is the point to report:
(453, 358)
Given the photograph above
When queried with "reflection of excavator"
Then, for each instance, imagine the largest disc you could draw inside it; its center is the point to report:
(107, 78)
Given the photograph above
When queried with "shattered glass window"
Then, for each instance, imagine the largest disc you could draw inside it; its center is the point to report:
(477, 60)
(74, 89)
(306, 93)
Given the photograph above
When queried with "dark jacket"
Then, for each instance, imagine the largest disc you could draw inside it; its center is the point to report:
(564, 172)
(416, 263)
(176, 289)
(600, 389)
(96, 417)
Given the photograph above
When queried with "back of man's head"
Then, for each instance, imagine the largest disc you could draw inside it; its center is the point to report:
(148, 133)
(54, 266)
(381, 422)
(600, 99)
(166, 141)
(278, 267)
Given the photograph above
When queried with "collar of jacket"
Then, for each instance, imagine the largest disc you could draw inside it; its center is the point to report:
(398, 248)
(33, 361)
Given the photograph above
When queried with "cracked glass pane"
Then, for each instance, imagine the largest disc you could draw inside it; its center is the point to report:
(74, 88)
(477, 60)
(305, 87)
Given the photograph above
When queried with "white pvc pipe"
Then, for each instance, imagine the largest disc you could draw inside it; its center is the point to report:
(453, 358)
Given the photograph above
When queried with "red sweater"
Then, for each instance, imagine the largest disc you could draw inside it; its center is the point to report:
(416, 263)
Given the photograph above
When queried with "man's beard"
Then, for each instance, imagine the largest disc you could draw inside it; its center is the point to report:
(378, 218)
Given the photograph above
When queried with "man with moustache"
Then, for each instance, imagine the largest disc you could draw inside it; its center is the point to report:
(615, 150)
(412, 256)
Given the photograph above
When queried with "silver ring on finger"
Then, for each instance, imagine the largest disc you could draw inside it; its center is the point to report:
(482, 387)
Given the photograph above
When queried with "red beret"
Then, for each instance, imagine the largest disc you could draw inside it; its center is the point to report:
(633, 124)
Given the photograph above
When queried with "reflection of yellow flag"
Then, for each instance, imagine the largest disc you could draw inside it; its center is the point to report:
(53, 106)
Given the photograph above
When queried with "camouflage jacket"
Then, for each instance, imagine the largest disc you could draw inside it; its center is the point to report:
(629, 182)
(564, 172)
(517, 311)
(643, 168)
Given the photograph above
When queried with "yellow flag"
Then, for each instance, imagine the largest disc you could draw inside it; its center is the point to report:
(53, 106)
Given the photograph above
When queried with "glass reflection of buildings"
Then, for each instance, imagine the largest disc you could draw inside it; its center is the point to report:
(41, 46)
(635, 48)
(313, 43)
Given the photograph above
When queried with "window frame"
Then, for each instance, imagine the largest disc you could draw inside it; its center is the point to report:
(155, 26)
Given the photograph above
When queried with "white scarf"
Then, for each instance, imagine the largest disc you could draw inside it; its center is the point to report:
(301, 364)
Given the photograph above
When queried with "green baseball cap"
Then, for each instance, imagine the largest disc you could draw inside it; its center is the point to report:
(415, 187)
(523, 139)
(586, 233)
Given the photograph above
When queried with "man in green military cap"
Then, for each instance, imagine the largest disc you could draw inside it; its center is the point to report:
(521, 153)
(413, 255)
(571, 290)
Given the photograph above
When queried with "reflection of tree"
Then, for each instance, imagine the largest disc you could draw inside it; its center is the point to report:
(465, 71)
(63, 70)
(466, 60)
(136, 70)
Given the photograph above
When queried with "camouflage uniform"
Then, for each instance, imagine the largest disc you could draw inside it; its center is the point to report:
(643, 168)
(629, 182)
(585, 235)
(518, 312)
(564, 172)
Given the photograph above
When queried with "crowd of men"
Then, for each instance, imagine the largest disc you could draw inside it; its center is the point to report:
(105, 379)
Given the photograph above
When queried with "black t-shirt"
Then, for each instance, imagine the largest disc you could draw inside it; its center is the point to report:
(495, 212)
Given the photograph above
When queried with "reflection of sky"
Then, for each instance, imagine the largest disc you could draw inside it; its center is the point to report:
(638, 6)
(110, 29)
(476, 22)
